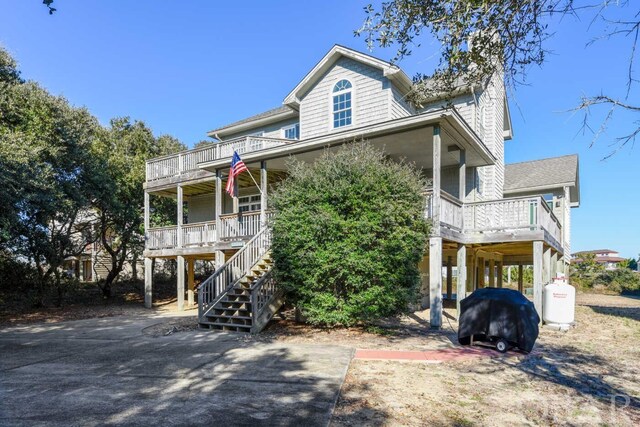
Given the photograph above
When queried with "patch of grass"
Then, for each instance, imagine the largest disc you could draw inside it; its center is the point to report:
(459, 420)
(377, 330)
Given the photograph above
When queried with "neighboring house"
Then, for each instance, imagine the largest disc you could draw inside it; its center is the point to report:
(608, 258)
(485, 214)
(93, 263)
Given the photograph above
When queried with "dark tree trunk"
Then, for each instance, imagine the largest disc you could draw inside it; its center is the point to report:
(134, 267)
(59, 290)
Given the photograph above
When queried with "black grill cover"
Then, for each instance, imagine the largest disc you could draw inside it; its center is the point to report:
(502, 313)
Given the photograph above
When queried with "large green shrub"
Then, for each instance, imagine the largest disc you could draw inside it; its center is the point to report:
(616, 281)
(621, 280)
(349, 231)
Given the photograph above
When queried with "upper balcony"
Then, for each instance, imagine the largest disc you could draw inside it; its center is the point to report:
(510, 219)
(184, 165)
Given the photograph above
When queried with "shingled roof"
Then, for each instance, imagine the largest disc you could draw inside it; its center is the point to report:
(543, 174)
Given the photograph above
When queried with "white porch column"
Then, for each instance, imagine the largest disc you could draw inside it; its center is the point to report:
(236, 202)
(148, 282)
(538, 277)
(462, 178)
(263, 197)
(499, 274)
(474, 271)
(461, 291)
(435, 202)
(180, 284)
(520, 279)
(449, 277)
(180, 215)
(435, 282)
(147, 208)
(435, 242)
(218, 204)
(492, 273)
(190, 281)
(219, 259)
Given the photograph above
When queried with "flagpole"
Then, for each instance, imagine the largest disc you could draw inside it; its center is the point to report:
(254, 181)
(235, 153)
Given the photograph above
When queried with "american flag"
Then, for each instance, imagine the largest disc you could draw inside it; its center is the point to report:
(237, 167)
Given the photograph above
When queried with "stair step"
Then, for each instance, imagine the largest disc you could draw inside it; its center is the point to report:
(240, 299)
(231, 311)
(239, 323)
(224, 316)
(236, 305)
(224, 327)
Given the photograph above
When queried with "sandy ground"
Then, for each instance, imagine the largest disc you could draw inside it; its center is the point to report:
(571, 378)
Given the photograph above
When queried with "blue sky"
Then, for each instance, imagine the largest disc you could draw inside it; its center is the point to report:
(188, 67)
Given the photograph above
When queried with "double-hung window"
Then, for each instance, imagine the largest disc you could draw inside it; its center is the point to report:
(342, 112)
(292, 132)
(249, 203)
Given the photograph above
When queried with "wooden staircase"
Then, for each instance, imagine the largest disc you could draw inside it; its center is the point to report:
(241, 296)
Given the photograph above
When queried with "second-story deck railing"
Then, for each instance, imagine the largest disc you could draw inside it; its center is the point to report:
(503, 215)
(199, 233)
(188, 161)
(451, 214)
(207, 233)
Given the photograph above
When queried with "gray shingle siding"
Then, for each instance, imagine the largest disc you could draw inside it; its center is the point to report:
(399, 107)
(370, 100)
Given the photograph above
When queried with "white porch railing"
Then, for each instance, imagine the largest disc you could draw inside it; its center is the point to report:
(231, 227)
(239, 226)
(187, 161)
(504, 215)
(451, 213)
(199, 233)
(518, 213)
(162, 237)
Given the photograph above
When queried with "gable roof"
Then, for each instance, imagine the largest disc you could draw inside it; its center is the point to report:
(392, 72)
(269, 116)
(545, 174)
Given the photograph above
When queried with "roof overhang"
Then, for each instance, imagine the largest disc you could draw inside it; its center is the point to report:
(454, 128)
(507, 127)
(392, 72)
(574, 191)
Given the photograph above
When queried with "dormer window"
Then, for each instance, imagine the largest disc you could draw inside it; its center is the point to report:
(342, 104)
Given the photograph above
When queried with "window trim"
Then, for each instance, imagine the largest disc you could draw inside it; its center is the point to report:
(249, 202)
(352, 91)
(289, 127)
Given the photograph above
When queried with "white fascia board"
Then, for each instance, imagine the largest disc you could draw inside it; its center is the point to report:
(259, 122)
(469, 140)
(337, 51)
(540, 188)
(508, 133)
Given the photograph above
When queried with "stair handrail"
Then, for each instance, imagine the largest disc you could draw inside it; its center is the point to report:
(260, 300)
(227, 275)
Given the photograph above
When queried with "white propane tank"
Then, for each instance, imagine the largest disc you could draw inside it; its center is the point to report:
(559, 304)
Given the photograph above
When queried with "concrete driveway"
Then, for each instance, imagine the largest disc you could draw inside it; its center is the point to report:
(107, 372)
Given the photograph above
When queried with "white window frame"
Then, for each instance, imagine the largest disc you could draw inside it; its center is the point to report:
(251, 200)
(293, 126)
(333, 94)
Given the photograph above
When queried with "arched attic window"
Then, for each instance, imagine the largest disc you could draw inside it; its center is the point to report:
(342, 113)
